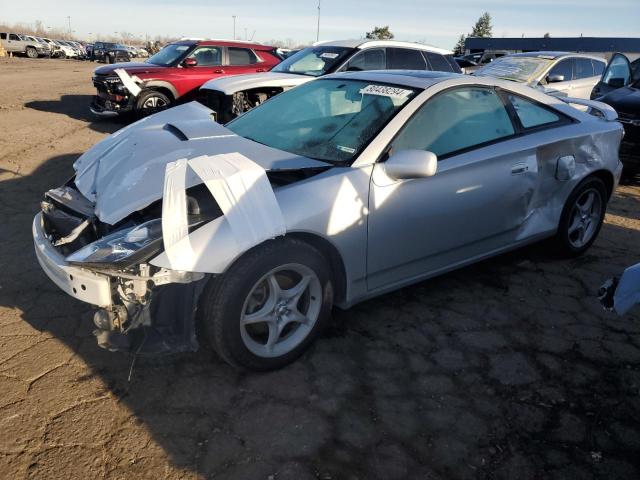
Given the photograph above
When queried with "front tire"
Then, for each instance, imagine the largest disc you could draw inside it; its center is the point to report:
(270, 305)
(32, 52)
(582, 217)
(150, 102)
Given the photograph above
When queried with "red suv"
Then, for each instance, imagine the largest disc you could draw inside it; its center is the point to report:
(174, 74)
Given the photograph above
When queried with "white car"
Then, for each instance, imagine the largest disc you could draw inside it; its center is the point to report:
(232, 95)
(66, 50)
(559, 74)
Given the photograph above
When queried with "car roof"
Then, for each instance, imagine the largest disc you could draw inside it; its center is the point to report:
(554, 55)
(364, 43)
(224, 43)
(408, 78)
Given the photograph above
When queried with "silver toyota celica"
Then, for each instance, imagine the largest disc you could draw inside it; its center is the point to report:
(334, 192)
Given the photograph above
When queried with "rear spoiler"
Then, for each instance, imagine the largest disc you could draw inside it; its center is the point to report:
(597, 109)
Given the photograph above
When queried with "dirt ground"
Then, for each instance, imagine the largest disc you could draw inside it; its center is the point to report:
(508, 369)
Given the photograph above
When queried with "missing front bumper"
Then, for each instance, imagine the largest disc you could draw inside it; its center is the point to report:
(137, 314)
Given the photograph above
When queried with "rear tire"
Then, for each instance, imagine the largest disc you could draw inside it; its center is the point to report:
(582, 218)
(255, 324)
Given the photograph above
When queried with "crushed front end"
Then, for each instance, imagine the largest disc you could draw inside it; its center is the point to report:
(112, 97)
(141, 308)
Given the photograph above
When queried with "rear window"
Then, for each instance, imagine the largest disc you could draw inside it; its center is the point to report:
(584, 68)
(598, 67)
(405, 59)
(530, 114)
(241, 56)
(438, 62)
(454, 65)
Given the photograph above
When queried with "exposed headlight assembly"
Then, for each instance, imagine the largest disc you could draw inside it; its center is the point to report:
(123, 248)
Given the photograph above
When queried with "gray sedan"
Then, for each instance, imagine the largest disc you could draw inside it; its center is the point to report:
(334, 192)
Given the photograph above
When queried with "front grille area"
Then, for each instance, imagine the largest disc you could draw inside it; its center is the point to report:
(106, 83)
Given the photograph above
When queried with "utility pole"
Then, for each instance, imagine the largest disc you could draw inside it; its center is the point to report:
(318, 29)
(245, 33)
(234, 26)
(69, 19)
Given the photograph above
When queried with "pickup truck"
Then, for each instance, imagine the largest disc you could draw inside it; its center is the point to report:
(15, 43)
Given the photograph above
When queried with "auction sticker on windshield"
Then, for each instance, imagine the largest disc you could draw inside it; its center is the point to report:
(385, 91)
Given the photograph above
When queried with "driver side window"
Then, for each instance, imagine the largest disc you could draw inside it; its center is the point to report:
(207, 56)
(456, 120)
(563, 68)
(370, 59)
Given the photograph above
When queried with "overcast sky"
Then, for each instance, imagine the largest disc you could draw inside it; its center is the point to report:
(437, 22)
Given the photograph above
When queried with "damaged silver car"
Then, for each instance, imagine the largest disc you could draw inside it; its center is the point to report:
(334, 192)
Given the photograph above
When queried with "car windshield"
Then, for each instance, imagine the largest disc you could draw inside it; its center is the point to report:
(331, 120)
(517, 69)
(313, 61)
(168, 55)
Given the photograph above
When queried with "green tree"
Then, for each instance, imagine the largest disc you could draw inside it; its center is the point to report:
(459, 48)
(483, 27)
(380, 33)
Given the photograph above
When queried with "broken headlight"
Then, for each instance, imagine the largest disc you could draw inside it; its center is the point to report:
(123, 248)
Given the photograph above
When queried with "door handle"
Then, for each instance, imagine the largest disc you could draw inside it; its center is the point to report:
(519, 168)
(260, 70)
(219, 70)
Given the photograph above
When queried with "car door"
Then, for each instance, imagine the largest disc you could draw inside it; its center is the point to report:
(559, 80)
(242, 60)
(13, 43)
(617, 74)
(474, 203)
(210, 59)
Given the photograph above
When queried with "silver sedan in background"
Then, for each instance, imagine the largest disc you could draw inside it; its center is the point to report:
(334, 192)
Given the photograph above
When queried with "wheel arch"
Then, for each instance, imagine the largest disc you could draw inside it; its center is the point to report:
(332, 254)
(607, 177)
(163, 87)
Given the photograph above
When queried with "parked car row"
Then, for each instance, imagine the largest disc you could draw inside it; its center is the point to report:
(233, 77)
(34, 47)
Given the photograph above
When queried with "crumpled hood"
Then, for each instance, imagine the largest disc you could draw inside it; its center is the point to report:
(125, 172)
(236, 83)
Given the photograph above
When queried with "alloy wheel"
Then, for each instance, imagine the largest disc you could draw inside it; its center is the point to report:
(585, 218)
(154, 103)
(280, 310)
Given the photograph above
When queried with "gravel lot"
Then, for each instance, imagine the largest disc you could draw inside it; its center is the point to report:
(507, 369)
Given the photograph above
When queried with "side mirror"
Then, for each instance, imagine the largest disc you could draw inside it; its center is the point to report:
(616, 82)
(189, 62)
(407, 164)
(555, 78)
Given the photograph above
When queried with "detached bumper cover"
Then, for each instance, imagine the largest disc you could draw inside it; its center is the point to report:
(100, 111)
(79, 283)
